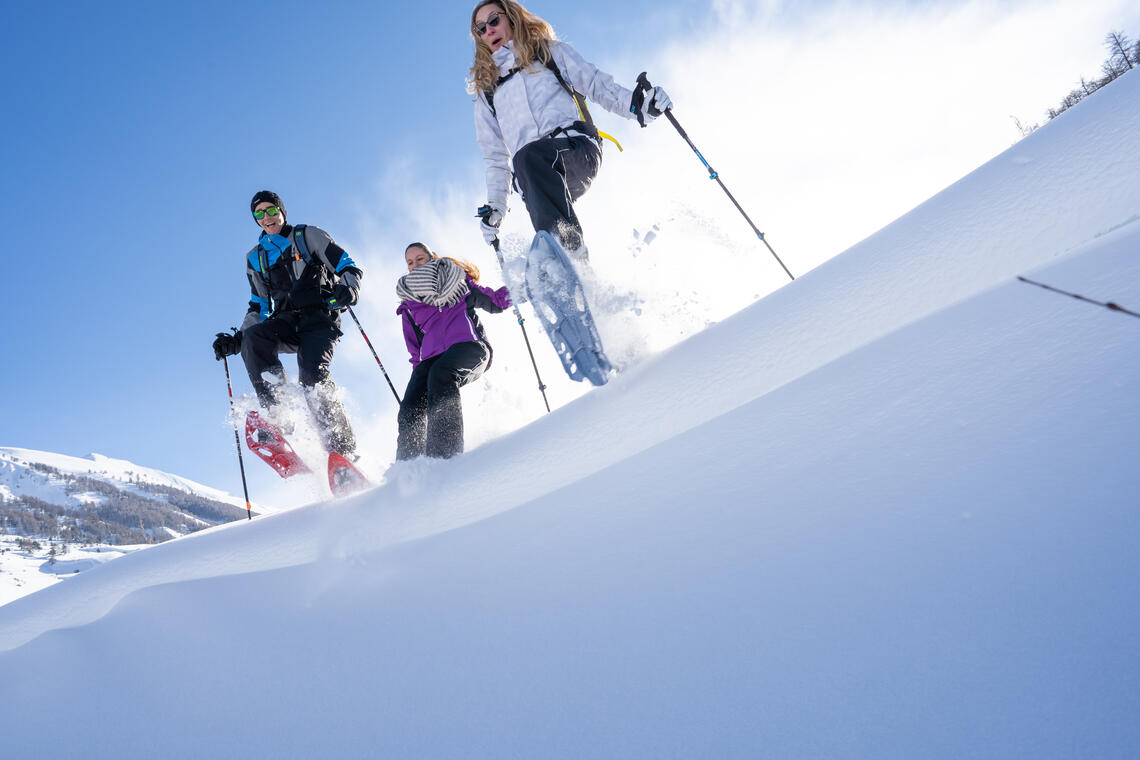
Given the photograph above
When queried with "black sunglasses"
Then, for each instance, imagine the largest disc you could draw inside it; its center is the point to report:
(492, 21)
(272, 211)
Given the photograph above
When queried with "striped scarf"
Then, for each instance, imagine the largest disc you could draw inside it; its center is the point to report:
(440, 282)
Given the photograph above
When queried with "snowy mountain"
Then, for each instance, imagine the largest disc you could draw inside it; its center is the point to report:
(110, 500)
(60, 515)
(18, 466)
(889, 510)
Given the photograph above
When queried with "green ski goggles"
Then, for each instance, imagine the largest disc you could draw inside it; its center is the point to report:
(272, 211)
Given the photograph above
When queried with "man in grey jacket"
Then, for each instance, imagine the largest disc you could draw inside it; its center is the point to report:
(299, 281)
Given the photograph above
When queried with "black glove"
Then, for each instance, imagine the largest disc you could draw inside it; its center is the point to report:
(345, 292)
(227, 344)
(649, 102)
(490, 216)
(342, 297)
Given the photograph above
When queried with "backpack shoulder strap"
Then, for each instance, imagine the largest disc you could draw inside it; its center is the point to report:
(586, 122)
(579, 98)
(302, 247)
(300, 244)
(489, 93)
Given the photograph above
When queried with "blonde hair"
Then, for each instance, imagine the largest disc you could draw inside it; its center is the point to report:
(530, 36)
(471, 270)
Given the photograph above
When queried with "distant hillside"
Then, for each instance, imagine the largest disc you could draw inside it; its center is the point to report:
(102, 500)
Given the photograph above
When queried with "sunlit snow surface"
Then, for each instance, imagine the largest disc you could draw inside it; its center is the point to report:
(888, 511)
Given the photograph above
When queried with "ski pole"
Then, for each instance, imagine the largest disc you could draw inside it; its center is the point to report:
(484, 211)
(374, 355)
(518, 315)
(237, 440)
(1106, 304)
(643, 82)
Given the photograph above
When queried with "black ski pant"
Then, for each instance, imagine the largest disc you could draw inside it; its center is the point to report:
(312, 336)
(551, 174)
(431, 415)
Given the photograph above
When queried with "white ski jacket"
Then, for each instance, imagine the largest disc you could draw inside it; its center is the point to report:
(532, 104)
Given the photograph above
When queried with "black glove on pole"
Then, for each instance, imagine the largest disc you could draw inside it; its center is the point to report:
(227, 344)
(643, 84)
(342, 297)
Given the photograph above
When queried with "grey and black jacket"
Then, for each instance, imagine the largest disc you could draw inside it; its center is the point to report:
(283, 279)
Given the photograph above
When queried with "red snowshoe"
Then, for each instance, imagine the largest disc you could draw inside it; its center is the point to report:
(344, 478)
(266, 441)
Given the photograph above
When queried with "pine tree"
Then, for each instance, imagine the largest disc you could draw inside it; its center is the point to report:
(1123, 55)
(1119, 61)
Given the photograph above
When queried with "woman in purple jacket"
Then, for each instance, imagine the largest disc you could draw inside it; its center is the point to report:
(438, 297)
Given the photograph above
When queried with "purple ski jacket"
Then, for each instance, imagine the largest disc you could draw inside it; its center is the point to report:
(431, 330)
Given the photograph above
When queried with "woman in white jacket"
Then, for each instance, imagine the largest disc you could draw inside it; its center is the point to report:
(531, 117)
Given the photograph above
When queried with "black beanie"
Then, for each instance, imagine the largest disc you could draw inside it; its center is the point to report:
(267, 196)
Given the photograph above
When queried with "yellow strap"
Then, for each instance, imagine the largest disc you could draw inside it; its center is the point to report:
(574, 96)
(611, 139)
(582, 118)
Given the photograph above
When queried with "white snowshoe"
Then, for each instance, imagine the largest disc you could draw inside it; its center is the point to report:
(556, 293)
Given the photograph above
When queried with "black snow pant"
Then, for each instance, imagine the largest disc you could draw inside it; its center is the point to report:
(551, 174)
(312, 335)
(431, 415)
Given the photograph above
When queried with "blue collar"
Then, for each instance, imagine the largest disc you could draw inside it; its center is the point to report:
(274, 243)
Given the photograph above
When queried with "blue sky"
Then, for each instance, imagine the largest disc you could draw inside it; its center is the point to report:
(141, 130)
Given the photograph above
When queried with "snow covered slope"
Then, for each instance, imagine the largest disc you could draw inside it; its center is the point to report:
(75, 514)
(888, 511)
(28, 565)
